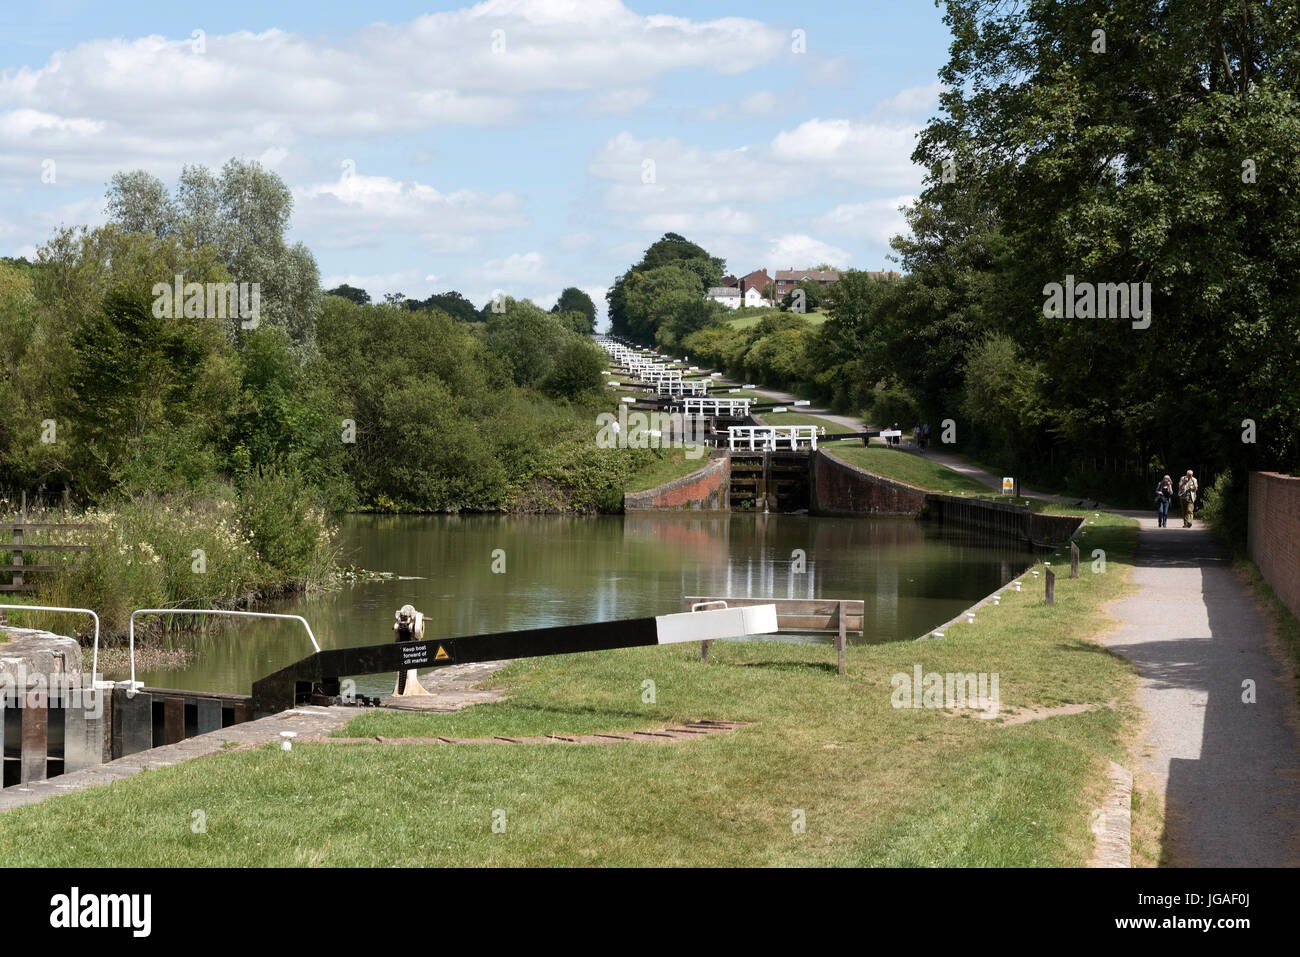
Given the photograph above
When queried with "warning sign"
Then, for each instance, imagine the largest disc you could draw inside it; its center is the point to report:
(441, 655)
(1008, 486)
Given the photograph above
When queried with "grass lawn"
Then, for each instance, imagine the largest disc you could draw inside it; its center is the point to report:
(876, 785)
(799, 418)
(814, 318)
(910, 468)
(667, 465)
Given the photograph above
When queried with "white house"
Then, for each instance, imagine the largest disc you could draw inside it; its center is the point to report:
(729, 296)
(755, 298)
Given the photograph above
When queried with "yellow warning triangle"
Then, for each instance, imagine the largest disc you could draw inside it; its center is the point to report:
(441, 654)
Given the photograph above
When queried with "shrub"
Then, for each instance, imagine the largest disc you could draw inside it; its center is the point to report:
(285, 525)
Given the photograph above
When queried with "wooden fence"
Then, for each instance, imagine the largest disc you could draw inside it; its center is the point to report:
(18, 548)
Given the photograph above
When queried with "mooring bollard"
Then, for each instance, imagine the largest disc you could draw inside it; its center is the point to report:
(1074, 560)
(1051, 587)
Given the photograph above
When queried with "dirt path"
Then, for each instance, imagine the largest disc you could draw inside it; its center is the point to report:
(1229, 771)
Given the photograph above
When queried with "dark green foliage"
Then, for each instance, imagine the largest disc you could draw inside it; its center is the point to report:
(359, 296)
(660, 300)
(575, 371)
(574, 299)
(452, 303)
(278, 509)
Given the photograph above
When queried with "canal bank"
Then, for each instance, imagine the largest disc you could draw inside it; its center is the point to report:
(873, 783)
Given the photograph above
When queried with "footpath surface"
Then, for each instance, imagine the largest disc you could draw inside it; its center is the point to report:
(1227, 768)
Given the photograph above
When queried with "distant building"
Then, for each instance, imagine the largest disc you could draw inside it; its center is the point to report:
(758, 279)
(729, 296)
(788, 279)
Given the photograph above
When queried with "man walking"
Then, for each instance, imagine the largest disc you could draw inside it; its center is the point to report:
(1187, 495)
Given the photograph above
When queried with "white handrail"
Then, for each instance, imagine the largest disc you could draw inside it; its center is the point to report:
(206, 611)
(94, 661)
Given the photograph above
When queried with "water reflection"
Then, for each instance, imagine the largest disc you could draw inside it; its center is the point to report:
(554, 569)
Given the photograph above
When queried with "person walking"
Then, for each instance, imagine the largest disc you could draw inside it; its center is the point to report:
(1187, 495)
(1164, 495)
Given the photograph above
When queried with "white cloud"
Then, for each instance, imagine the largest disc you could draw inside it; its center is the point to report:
(912, 103)
(360, 210)
(877, 219)
(761, 103)
(413, 283)
(515, 268)
(799, 251)
(154, 102)
(866, 153)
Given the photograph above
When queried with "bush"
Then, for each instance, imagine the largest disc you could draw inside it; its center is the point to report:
(1227, 509)
(283, 522)
(575, 371)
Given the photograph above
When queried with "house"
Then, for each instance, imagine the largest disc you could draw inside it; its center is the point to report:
(729, 296)
(754, 298)
(758, 279)
(788, 279)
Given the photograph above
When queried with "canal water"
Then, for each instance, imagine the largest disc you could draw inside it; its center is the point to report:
(484, 573)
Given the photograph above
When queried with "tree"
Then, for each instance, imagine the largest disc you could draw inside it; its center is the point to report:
(677, 254)
(359, 296)
(139, 203)
(573, 299)
(1139, 164)
(242, 215)
(452, 303)
(812, 297)
(575, 371)
(527, 337)
(139, 385)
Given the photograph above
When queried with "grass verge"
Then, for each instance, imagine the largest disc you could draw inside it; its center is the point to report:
(912, 469)
(666, 465)
(874, 784)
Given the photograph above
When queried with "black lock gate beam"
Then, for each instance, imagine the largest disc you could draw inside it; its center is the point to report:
(321, 671)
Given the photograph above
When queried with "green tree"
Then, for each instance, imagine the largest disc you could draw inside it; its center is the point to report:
(671, 259)
(573, 299)
(359, 296)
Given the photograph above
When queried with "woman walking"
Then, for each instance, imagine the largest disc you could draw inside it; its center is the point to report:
(1164, 495)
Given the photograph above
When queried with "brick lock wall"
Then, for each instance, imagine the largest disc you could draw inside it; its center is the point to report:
(1274, 533)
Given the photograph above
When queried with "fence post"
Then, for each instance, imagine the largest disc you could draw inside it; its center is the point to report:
(1074, 559)
(1051, 587)
(841, 639)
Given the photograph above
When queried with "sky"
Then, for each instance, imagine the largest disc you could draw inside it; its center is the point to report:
(516, 146)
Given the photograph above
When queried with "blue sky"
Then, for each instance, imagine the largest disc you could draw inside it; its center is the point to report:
(514, 145)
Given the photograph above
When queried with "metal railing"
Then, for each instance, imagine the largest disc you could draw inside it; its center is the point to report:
(204, 611)
(94, 662)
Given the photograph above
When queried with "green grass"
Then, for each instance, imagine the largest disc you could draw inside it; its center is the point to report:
(668, 464)
(799, 418)
(814, 318)
(910, 468)
(1285, 624)
(876, 785)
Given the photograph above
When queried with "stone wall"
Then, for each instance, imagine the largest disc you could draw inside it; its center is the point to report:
(1273, 535)
(709, 487)
(38, 652)
(839, 488)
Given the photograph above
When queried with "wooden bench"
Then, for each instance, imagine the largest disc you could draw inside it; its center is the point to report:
(838, 616)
